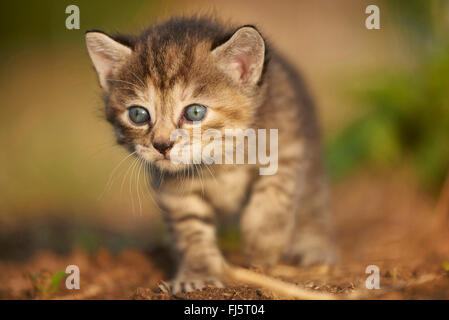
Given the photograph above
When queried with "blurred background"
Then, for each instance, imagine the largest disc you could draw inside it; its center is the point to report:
(382, 95)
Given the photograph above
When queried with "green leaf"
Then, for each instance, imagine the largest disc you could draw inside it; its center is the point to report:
(55, 280)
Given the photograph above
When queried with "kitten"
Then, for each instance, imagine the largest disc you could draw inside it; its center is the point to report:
(196, 69)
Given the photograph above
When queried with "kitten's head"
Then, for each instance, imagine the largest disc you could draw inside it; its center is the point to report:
(177, 75)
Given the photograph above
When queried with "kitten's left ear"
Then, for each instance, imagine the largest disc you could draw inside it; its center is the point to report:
(242, 56)
(106, 54)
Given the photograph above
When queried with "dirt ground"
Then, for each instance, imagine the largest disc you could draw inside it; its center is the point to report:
(381, 221)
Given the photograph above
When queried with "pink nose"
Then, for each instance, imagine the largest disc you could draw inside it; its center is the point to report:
(162, 147)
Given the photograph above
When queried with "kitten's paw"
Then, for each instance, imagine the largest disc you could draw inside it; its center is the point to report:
(188, 285)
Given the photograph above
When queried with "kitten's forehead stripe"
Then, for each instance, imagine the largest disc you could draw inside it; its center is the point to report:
(166, 52)
(171, 66)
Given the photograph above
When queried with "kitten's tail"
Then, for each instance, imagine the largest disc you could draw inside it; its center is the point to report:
(279, 287)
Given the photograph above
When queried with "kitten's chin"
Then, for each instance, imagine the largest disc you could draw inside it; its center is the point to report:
(168, 165)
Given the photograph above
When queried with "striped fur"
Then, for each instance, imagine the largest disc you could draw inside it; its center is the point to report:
(282, 215)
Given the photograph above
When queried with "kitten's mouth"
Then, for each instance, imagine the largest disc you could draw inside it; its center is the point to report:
(164, 162)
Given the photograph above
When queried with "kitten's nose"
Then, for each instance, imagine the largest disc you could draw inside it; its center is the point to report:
(162, 147)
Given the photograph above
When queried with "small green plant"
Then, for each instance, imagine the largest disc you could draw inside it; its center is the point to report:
(46, 283)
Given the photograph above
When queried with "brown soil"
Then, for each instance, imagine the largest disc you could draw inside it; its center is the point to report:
(381, 221)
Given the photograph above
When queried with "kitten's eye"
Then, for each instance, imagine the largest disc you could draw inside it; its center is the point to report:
(195, 112)
(138, 114)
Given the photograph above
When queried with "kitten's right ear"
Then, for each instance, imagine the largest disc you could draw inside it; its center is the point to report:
(242, 57)
(106, 54)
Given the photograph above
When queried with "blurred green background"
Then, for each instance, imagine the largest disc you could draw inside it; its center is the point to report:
(382, 97)
(405, 119)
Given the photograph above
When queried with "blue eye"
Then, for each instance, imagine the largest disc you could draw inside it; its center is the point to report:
(195, 112)
(138, 114)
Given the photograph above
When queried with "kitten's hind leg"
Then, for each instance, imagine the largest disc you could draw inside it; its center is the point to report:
(267, 220)
(313, 238)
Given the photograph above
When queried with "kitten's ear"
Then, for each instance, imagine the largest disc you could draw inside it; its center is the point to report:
(242, 56)
(106, 54)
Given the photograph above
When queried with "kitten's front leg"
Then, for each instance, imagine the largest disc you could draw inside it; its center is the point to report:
(267, 221)
(191, 221)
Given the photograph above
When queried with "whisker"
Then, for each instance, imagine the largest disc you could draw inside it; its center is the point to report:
(138, 185)
(126, 174)
(184, 178)
(202, 174)
(192, 177)
(147, 178)
(187, 178)
(111, 180)
(162, 177)
(199, 178)
(131, 195)
(211, 174)
(131, 178)
(98, 148)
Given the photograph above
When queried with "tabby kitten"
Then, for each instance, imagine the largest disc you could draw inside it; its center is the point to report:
(196, 69)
